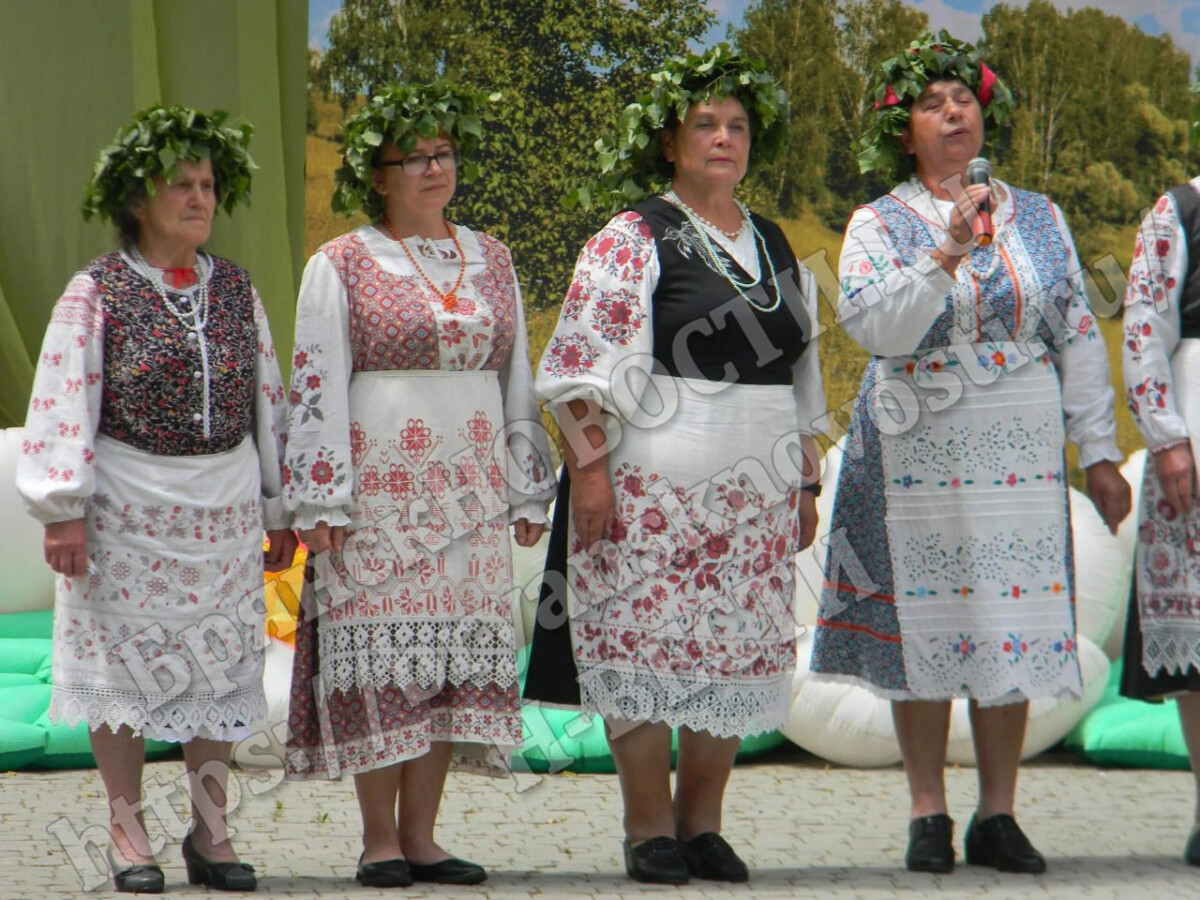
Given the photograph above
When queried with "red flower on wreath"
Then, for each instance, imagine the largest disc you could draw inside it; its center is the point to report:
(987, 79)
(889, 98)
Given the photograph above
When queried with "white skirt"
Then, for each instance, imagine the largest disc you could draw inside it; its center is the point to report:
(165, 634)
(685, 617)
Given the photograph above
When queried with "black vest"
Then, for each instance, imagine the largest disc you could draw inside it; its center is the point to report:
(1187, 202)
(703, 328)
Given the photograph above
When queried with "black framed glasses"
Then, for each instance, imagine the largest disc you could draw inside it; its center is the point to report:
(419, 163)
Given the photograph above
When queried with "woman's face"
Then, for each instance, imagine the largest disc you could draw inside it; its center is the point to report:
(181, 211)
(404, 190)
(945, 126)
(711, 146)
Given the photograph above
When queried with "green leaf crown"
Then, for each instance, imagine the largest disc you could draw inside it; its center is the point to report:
(632, 167)
(153, 146)
(403, 113)
(900, 80)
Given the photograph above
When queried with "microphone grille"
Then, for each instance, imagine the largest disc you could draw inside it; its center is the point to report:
(978, 170)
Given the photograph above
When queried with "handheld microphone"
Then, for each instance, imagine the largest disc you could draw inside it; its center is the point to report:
(979, 171)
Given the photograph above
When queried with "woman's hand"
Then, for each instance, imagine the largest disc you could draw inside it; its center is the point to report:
(526, 533)
(65, 547)
(808, 519)
(322, 537)
(966, 209)
(1174, 467)
(1109, 492)
(281, 550)
(593, 504)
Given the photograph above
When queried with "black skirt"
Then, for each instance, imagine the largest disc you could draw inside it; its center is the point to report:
(552, 676)
(1135, 683)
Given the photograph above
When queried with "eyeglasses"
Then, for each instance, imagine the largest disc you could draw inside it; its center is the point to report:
(418, 163)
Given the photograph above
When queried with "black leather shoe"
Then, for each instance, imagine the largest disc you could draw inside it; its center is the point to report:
(449, 871)
(999, 842)
(656, 861)
(930, 844)
(709, 856)
(1191, 853)
(136, 879)
(386, 873)
(224, 876)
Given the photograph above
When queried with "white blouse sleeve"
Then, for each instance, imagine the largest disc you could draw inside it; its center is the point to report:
(531, 481)
(270, 423)
(605, 321)
(884, 305)
(807, 384)
(56, 475)
(1087, 392)
(1152, 325)
(318, 475)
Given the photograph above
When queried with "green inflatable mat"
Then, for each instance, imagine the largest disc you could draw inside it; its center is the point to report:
(1132, 733)
(558, 739)
(28, 739)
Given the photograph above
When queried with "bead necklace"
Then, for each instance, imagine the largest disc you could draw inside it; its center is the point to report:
(715, 260)
(449, 300)
(194, 318)
(732, 235)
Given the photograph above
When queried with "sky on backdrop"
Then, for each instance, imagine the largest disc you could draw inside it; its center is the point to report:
(1178, 18)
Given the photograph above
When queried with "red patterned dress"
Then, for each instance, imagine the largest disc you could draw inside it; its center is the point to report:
(416, 427)
(165, 434)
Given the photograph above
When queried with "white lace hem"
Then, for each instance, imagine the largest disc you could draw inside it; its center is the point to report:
(722, 709)
(230, 717)
(1167, 652)
(1063, 692)
(418, 653)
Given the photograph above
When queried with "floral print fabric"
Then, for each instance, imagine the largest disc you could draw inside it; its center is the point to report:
(165, 632)
(1162, 389)
(684, 617)
(955, 575)
(408, 430)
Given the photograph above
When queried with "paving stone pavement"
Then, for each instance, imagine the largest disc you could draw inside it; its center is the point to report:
(806, 829)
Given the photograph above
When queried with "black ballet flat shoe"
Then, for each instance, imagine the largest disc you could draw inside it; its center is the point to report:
(449, 871)
(656, 861)
(999, 842)
(1191, 853)
(224, 876)
(710, 857)
(930, 845)
(386, 873)
(136, 879)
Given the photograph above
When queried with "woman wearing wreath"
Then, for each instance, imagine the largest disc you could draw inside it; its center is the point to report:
(685, 377)
(416, 442)
(958, 581)
(153, 455)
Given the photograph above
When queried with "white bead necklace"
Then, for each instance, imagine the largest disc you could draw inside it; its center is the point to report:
(194, 318)
(715, 260)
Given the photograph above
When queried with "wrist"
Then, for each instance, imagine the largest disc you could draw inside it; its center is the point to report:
(814, 488)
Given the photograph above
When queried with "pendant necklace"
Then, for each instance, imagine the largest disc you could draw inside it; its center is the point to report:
(450, 299)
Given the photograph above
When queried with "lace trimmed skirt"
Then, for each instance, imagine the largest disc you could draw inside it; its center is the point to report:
(406, 636)
(686, 616)
(165, 634)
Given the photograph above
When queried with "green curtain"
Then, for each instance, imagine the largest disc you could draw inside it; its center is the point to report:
(72, 73)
